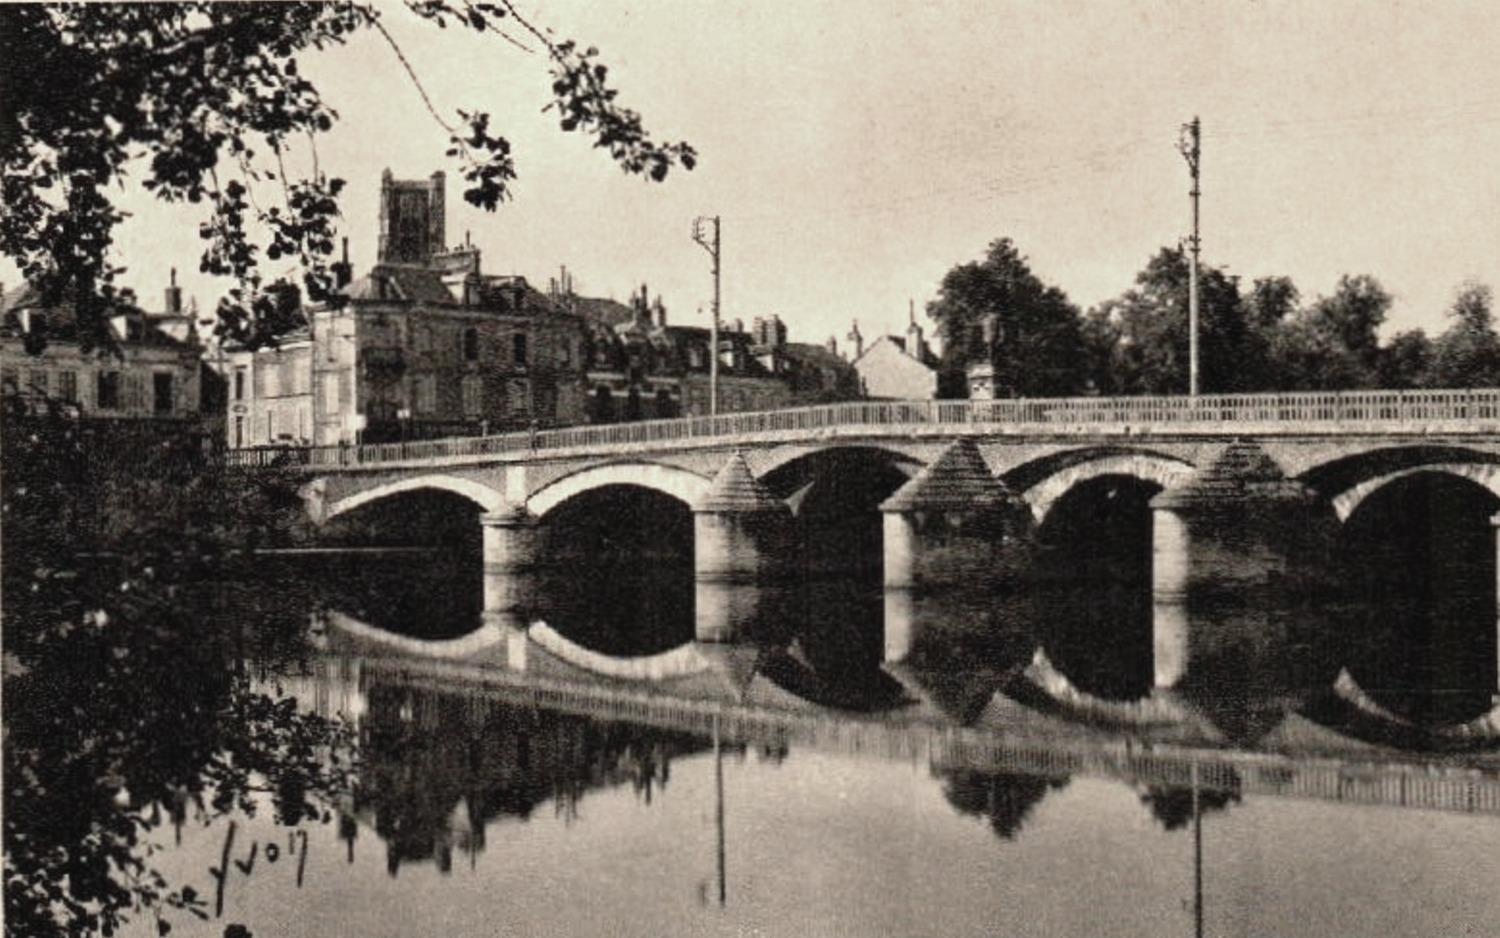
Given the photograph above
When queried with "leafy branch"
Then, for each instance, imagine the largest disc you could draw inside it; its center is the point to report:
(91, 92)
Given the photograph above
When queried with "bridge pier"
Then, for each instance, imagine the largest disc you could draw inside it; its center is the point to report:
(1237, 532)
(742, 547)
(954, 526)
(509, 549)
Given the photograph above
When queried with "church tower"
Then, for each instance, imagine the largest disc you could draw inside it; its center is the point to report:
(412, 222)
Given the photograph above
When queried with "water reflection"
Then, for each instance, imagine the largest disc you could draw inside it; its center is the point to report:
(1006, 799)
(438, 768)
(1176, 806)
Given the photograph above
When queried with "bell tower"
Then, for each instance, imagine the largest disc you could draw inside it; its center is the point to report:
(412, 219)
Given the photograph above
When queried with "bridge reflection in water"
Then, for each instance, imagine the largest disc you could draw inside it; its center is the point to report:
(452, 751)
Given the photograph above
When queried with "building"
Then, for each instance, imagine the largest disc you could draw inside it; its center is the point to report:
(641, 368)
(149, 370)
(896, 367)
(428, 345)
(423, 345)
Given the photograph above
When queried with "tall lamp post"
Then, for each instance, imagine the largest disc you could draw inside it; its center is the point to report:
(710, 243)
(1190, 146)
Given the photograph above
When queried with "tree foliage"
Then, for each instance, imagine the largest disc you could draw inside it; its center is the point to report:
(1150, 354)
(124, 708)
(996, 311)
(1468, 353)
(201, 101)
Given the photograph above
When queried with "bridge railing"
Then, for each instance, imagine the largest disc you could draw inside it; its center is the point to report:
(1318, 407)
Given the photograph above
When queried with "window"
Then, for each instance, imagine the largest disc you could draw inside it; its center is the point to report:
(107, 396)
(517, 397)
(239, 432)
(67, 386)
(425, 392)
(161, 393)
(330, 391)
(473, 393)
(471, 345)
(518, 348)
(37, 379)
(270, 426)
(239, 384)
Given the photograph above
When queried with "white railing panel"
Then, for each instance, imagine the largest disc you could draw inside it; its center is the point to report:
(1385, 409)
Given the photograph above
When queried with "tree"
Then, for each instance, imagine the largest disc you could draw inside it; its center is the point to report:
(1407, 361)
(1308, 357)
(996, 311)
(1272, 301)
(1334, 343)
(121, 711)
(1151, 354)
(1352, 316)
(203, 100)
(1467, 355)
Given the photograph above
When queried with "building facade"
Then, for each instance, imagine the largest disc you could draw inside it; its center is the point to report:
(423, 345)
(896, 367)
(427, 345)
(144, 372)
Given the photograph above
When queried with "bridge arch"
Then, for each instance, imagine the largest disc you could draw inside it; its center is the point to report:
(1147, 467)
(684, 485)
(784, 457)
(482, 495)
(1484, 474)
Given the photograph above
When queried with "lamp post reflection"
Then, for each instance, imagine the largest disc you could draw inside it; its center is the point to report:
(1197, 857)
(719, 806)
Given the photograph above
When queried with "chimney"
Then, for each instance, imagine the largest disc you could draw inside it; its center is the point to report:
(857, 339)
(661, 313)
(914, 346)
(832, 345)
(174, 296)
(640, 307)
(343, 273)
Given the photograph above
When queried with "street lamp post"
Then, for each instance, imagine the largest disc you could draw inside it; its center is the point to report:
(710, 243)
(1191, 148)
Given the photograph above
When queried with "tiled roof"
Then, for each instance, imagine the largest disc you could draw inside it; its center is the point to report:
(400, 282)
(735, 490)
(813, 355)
(1243, 472)
(958, 480)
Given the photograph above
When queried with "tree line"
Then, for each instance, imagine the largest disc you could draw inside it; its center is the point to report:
(1264, 337)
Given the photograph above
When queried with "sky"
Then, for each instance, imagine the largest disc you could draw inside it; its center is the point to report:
(856, 151)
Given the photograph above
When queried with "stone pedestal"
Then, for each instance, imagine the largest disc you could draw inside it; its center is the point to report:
(741, 542)
(730, 612)
(901, 625)
(1169, 643)
(509, 547)
(1237, 532)
(954, 525)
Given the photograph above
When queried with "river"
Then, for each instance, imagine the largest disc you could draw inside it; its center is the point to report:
(776, 794)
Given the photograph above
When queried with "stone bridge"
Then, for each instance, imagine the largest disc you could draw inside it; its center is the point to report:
(1243, 490)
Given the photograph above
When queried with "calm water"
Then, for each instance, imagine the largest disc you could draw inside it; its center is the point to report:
(925, 806)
